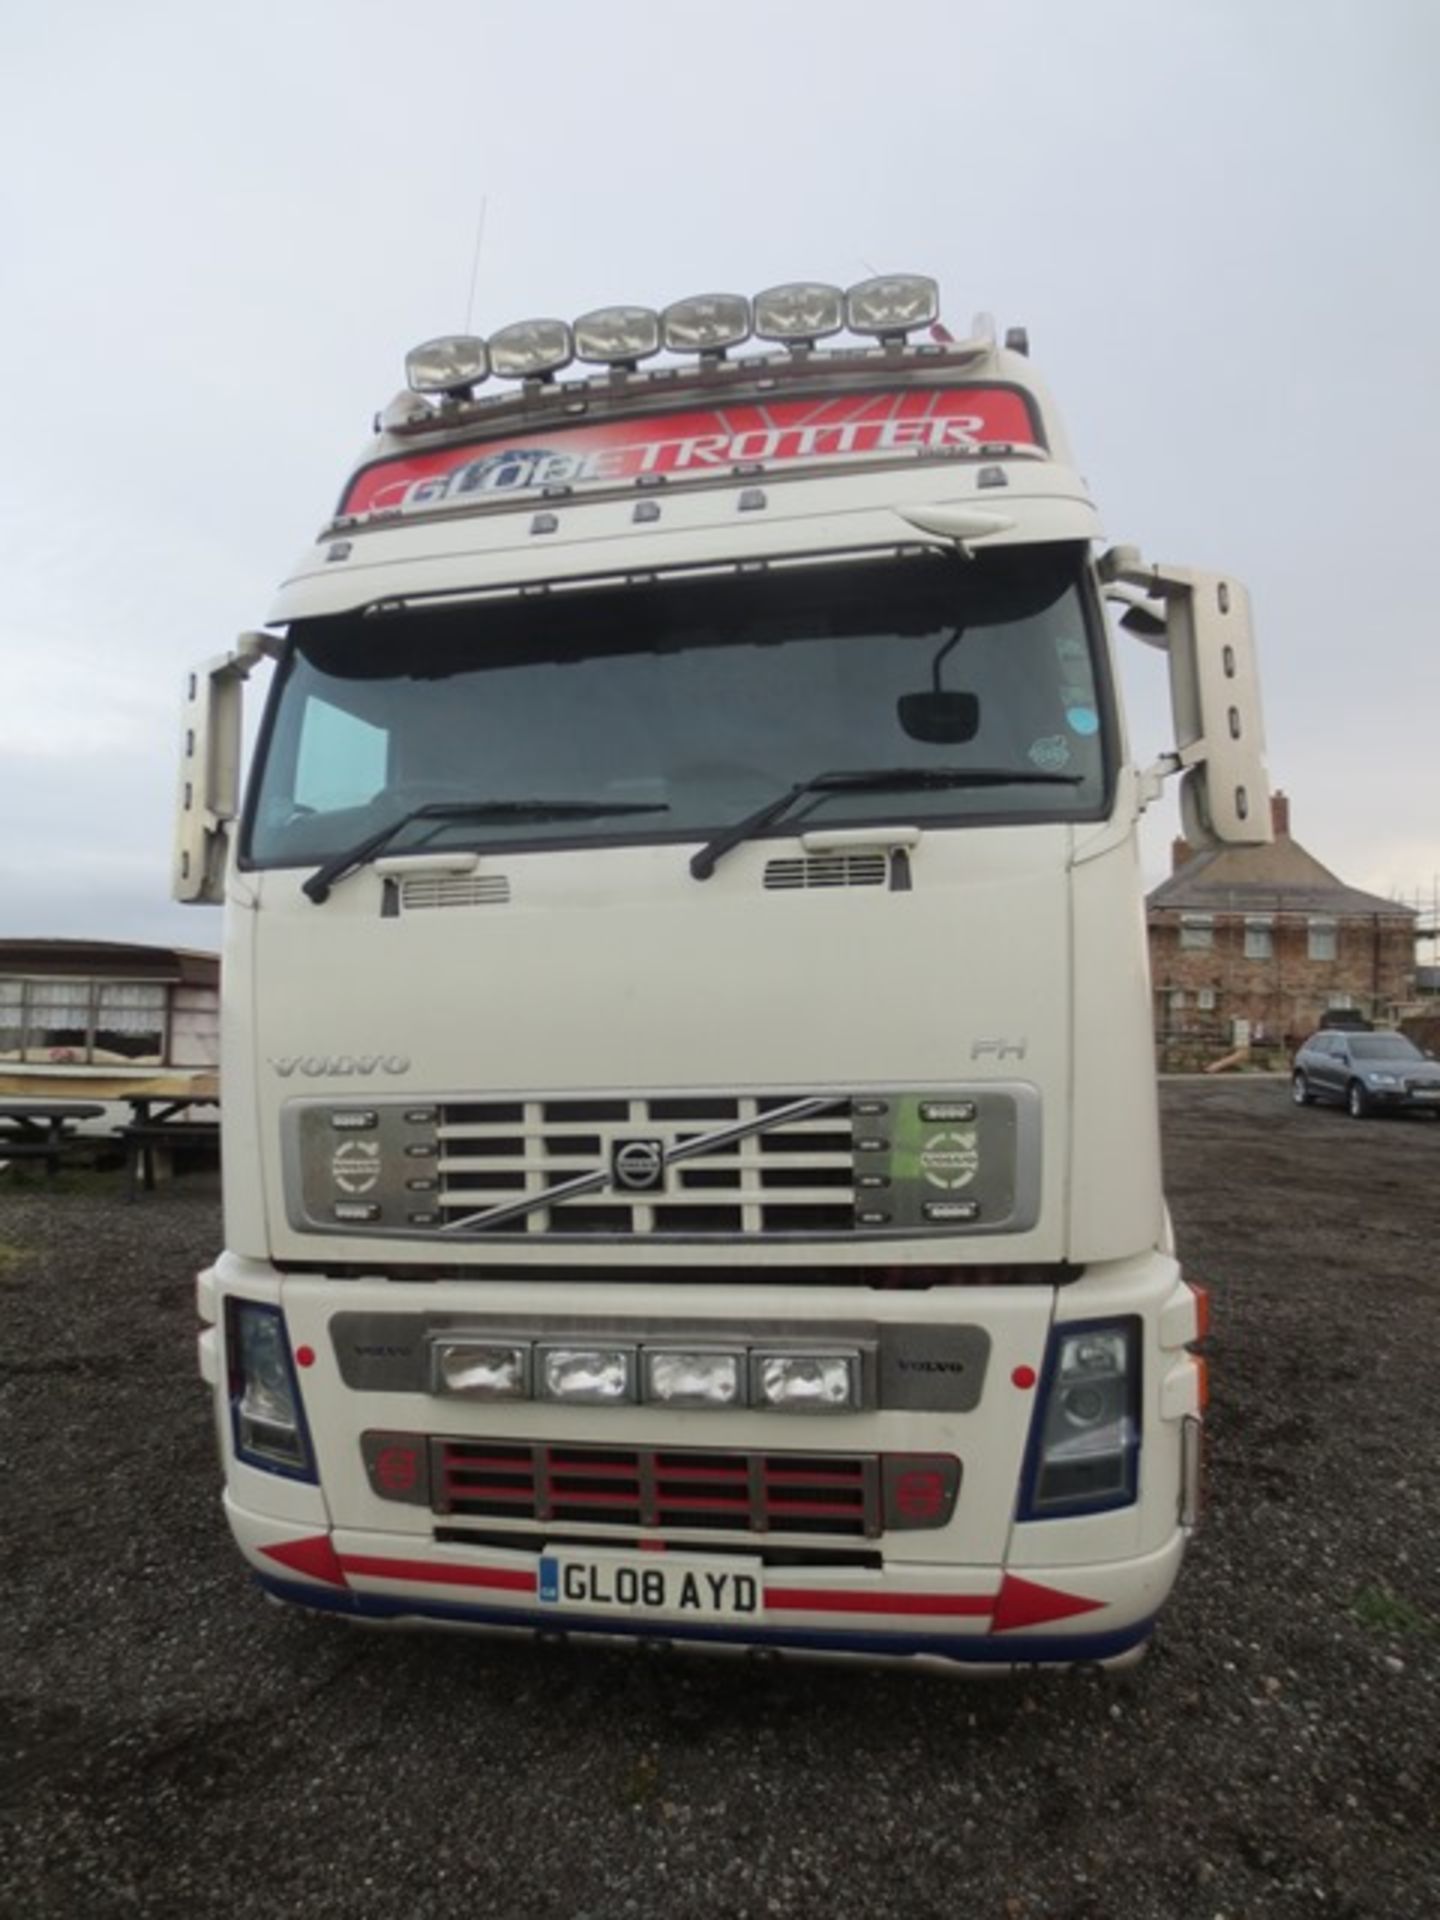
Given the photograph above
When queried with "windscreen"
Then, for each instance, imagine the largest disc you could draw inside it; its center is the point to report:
(685, 703)
(1384, 1046)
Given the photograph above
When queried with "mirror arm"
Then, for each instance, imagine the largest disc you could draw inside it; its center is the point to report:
(210, 767)
(1150, 781)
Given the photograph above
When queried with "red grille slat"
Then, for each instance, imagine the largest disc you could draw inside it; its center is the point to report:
(737, 1475)
(819, 1509)
(791, 1479)
(706, 1503)
(467, 1492)
(565, 1469)
(578, 1497)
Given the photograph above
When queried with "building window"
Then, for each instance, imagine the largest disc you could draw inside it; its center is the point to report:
(85, 1022)
(1258, 943)
(1321, 942)
(1177, 1000)
(1205, 999)
(1341, 1003)
(1197, 932)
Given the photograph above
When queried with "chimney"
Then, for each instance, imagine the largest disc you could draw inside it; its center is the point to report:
(1180, 852)
(1280, 814)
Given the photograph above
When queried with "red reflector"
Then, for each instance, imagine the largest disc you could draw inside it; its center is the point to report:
(1024, 1378)
(1202, 1308)
(921, 1494)
(397, 1468)
(1202, 1384)
(304, 1356)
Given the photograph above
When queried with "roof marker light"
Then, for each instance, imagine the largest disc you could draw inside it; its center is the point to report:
(800, 312)
(617, 336)
(892, 305)
(531, 349)
(407, 409)
(707, 324)
(451, 364)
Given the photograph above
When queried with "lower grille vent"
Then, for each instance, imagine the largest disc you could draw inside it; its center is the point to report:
(685, 1489)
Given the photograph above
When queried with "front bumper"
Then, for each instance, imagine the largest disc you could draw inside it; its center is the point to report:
(976, 1617)
(1405, 1099)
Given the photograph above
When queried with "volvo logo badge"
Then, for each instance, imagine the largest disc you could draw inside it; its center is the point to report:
(638, 1165)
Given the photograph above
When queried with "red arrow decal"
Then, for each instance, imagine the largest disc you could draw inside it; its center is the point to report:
(315, 1558)
(1025, 1603)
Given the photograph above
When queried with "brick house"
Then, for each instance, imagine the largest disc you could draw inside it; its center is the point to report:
(1260, 942)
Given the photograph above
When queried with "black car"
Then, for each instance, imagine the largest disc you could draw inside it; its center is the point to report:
(1365, 1073)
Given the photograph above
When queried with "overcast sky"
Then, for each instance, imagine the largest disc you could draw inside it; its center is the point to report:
(221, 226)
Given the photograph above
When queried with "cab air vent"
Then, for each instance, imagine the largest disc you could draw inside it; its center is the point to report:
(454, 890)
(827, 870)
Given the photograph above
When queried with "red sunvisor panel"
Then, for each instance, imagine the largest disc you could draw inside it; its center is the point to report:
(918, 420)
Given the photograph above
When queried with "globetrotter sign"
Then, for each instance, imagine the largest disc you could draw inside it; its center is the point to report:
(712, 440)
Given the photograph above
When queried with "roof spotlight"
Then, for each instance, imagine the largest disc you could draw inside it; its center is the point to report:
(799, 313)
(617, 336)
(531, 349)
(447, 365)
(892, 305)
(707, 324)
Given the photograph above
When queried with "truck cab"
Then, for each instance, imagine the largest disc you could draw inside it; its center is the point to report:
(691, 1156)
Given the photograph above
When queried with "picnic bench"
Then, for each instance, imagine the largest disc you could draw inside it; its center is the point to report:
(152, 1139)
(42, 1129)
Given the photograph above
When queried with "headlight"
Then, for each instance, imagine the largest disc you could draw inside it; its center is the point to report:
(483, 1369)
(617, 336)
(694, 1379)
(706, 324)
(267, 1418)
(800, 310)
(805, 1382)
(448, 364)
(587, 1376)
(1084, 1455)
(892, 305)
(531, 348)
(1383, 1079)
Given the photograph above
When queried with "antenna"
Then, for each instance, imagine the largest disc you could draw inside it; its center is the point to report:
(475, 262)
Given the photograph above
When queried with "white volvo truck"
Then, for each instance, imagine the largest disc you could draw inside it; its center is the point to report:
(691, 1159)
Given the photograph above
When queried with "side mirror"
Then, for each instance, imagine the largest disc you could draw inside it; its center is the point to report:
(942, 719)
(209, 791)
(1214, 695)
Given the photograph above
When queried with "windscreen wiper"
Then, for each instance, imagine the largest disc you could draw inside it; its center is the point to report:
(873, 780)
(339, 864)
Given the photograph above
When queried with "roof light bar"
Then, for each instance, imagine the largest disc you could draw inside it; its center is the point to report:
(708, 323)
(892, 305)
(797, 313)
(800, 312)
(617, 336)
(447, 365)
(531, 349)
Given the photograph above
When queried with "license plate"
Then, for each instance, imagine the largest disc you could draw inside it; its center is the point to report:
(652, 1584)
(1426, 1093)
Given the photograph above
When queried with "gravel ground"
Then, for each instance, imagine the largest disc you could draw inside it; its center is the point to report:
(169, 1743)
